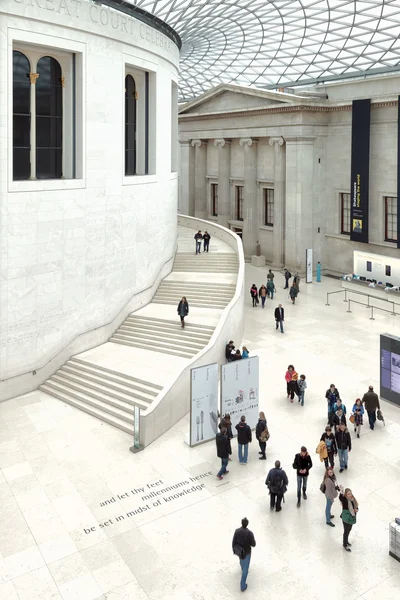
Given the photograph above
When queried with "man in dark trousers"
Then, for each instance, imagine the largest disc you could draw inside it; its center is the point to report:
(302, 463)
(371, 403)
(343, 443)
(243, 439)
(242, 543)
(287, 274)
(198, 237)
(223, 448)
(277, 483)
(228, 351)
(206, 238)
(279, 317)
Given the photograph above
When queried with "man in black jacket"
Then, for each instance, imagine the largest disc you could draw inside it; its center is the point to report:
(198, 237)
(277, 483)
(223, 448)
(206, 238)
(343, 443)
(243, 438)
(338, 418)
(302, 463)
(331, 395)
(279, 317)
(371, 403)
(228, 351)
(242, 543)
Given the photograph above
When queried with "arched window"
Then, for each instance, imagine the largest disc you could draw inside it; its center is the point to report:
(130, 126)
(21, 116)
(49, 119)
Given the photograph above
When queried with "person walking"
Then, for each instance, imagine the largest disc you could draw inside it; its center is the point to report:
(245, 352)
(254, 294)
(293, 293)
(331, 448)
(371, 403)
(279, 317)
(242, 543)
(223, 447)
(287, 274)
(302, 463)
(270, 288)
(206, 240)
(302, 385)
(227, 423)
(331, 394)
(338, 418)
(183, 310)
(277, 483)
(358, 413)
(270, 275)
(291, 377)
(343, 443)
(296, 282)
(198, 237)
(244, 439)
(330, 488)
(262, 435)
(262, 292)
(339, 406)
(349, 514)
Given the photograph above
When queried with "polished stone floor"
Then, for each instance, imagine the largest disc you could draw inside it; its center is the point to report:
(81, 518)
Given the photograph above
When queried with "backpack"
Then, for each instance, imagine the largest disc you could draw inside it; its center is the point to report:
(264, 435)
(322, 488)
(277, 483)
(288, 274)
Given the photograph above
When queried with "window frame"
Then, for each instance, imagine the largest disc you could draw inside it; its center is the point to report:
(214, 199)
(342, 209)
(392, 240)
(239, 203)
(268, 191)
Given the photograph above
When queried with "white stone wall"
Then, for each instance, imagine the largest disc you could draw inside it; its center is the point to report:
(74, 253)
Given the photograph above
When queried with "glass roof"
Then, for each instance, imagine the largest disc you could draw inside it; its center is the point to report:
(267, 43)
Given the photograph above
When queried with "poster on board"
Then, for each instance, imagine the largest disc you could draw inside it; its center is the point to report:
(309, 263)
(239, 390)
(203, 403)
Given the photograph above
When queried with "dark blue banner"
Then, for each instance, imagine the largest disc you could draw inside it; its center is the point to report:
(398, 171)
(359, 186)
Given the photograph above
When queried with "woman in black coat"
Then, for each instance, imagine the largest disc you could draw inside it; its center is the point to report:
(183, 310)
(261, 433)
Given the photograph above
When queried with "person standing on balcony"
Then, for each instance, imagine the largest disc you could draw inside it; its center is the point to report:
(206, 239)
(198, 237)
(183, 310)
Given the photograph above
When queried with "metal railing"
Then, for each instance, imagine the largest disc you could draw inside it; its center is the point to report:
(368, 305)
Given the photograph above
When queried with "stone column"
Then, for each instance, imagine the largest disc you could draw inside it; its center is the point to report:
(186, 178)
(279, 200)
(224, 166)
(251, 225)
(299, 227)
(200, 183)
(33, 77)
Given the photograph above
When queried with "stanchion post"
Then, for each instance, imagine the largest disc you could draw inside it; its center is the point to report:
(327, 299)
(345, 296)
(372, 314)
(136, 431)
(348, 309)
(393, 313)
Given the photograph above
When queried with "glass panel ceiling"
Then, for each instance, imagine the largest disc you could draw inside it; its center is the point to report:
(267, 43)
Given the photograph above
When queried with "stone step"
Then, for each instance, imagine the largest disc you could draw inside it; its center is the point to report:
(198, 284)
(137, 344)
(89, 408)
(194, 269)
(155, 334)
(157, 343)
(116, 399)
(198, 294)
(190, 326)
(81, 361)
(174, 328)
(158, 299)
(105, 383)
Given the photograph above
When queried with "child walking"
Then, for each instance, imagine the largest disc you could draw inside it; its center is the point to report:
(302, 384)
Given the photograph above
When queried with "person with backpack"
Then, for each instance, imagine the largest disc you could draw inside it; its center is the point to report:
(244, 439)
(343, 443)
(329, 439)
(242, 543)
(330, 488)
(277, 483)
(262, 435)
(270, 288)
(331, 394)
(302, 463)
(287, 274)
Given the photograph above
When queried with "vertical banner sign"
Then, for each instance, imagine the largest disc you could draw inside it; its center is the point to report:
(398, 171)
(239, 393)
(359, 186)
(203, 403)
(309, 265)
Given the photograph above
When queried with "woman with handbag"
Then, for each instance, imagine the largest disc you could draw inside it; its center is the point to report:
(330, 488)
(262, 435)
(349, 514)
(358, 412)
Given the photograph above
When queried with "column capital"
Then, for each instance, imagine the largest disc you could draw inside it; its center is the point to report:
(198, 143)
(247, 141)
(221, 142)
(33, 77)
(276, 140)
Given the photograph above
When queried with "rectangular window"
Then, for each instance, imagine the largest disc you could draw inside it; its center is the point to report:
(239, 202)
(345, 214)
(214, 199)
(390, 219)
(269, 207)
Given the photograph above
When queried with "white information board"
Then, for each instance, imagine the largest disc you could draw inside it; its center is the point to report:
(239, 390)
(203, 403)
(309, 263)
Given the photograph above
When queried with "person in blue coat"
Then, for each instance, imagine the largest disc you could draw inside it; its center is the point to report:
(245, 352)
